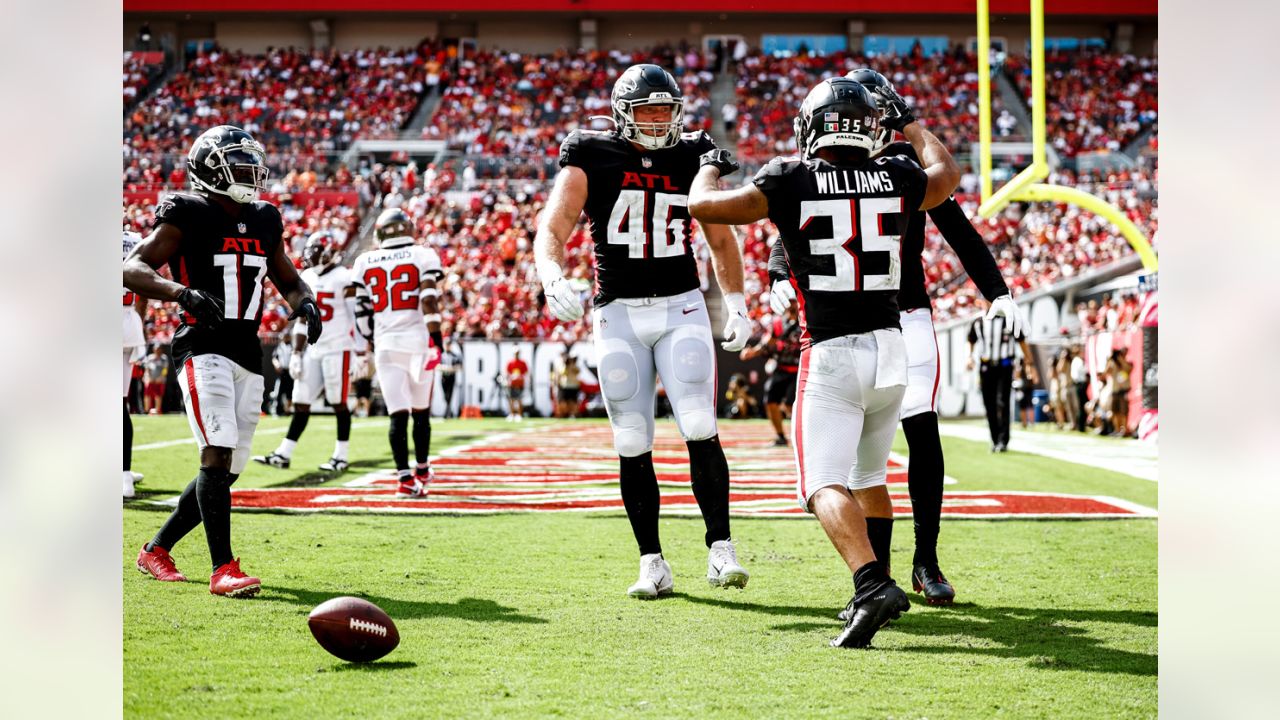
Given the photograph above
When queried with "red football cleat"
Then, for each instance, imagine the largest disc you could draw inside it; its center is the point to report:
(229, 581)
(159, 565)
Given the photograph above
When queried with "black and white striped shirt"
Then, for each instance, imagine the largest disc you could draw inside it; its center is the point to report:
(995, 340)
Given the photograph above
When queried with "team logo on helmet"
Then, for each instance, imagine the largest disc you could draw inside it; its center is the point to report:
(641, 85)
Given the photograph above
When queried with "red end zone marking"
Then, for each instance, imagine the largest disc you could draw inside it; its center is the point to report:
(547, 470)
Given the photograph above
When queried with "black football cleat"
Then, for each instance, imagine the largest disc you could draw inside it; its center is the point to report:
(929, 580)
(885, 605)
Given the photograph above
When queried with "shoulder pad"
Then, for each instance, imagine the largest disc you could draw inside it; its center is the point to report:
(771, 175)
(898, 148)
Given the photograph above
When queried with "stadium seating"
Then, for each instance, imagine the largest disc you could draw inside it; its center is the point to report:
(1095, 100)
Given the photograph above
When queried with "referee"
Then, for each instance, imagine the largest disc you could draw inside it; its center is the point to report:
(995, 339)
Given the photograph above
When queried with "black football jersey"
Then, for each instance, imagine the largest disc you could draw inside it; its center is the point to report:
(226, 257)
(637, 204)
(959, 233)
(841, 229)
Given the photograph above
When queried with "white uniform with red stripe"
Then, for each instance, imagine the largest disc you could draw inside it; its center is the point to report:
(393, 276)
(224, 402)
(847, 401)
(922, 363)
(135, 341)
(327, 364)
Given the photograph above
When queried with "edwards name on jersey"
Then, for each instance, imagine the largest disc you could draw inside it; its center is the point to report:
(637, 203)
(841, 230)
(226, 256)
(393, 276)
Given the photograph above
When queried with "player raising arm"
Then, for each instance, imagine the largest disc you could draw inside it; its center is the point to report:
(219, 242)
(840, 215)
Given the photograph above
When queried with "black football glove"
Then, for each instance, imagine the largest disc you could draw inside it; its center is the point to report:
(721, 160)
(202, 306)
(310, 314)
(897, 113)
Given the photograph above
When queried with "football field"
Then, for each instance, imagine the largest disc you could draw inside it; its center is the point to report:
(508, 588)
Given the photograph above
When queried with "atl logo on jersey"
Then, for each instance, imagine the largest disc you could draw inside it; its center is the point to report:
(242, 245)
(647, 180)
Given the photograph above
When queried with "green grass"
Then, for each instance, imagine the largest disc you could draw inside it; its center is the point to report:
(524, 615)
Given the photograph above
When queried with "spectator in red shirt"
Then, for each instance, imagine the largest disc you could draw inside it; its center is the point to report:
(517, 372)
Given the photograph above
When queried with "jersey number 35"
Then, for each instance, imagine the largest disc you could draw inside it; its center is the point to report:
(867, 215)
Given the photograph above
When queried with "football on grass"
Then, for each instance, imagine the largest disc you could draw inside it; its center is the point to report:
(353, 629)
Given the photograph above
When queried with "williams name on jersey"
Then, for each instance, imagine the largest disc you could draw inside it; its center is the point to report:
(226, 257)
(637, 204)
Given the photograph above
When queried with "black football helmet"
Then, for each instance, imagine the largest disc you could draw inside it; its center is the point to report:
(393, 225)
(228, 161)
(320, 250)
(647, 85)
(873, 82)
(838, 112)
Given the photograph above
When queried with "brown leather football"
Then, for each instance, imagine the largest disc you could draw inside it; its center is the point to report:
(353, 629)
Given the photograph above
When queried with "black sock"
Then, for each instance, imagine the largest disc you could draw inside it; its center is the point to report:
(880, 534)
(128, 438)
(398, 434)
(421, 436)
(924, 482)
(184, 518)
(344, 424)
(298, 423)
(709, 476)
(867, 580)
(213, 492)
(641, 498)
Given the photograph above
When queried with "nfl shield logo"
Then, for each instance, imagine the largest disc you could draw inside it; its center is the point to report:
(242, 228)
(646, 162)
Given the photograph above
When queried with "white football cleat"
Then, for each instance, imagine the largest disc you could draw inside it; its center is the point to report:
(128, 484)
(723, 569)
(655, 578)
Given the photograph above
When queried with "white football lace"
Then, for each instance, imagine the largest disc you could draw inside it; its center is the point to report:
(655, 568)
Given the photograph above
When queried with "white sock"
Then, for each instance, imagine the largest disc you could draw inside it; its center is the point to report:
(286, 448)
(340, 449)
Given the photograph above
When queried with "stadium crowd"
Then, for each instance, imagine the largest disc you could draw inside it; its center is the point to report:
(505, 108)
(1095, 100)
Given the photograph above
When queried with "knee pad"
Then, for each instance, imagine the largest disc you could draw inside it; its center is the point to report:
(692, 360)
(631, 435)
(699, 424)
(619, 376)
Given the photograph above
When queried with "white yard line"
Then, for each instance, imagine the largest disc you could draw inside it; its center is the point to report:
(282, 430)
(1129, 457)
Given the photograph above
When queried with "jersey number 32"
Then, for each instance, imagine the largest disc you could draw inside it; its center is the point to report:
(867, 214)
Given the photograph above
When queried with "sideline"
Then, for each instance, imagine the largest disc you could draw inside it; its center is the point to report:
(1130, 457)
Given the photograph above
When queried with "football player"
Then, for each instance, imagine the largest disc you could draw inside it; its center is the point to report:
(135, 347)
(220, 242)
(327, 366)
(782, 346)
(400, 299)
(649, 313)
(841, 215)
(920, 404)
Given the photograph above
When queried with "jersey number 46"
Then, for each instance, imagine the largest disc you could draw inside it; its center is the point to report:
(860, 218)
(626, 224)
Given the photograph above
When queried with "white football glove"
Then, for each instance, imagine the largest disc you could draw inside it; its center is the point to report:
(563, 300)
(737, 330)
(1004, 306)
(295, 365)
(781, 295)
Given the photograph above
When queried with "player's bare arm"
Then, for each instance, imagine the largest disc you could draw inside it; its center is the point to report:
(430, 305)
(726, 256)
(942, 170)
(559, 217)
(140, 274)
(709, 204)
